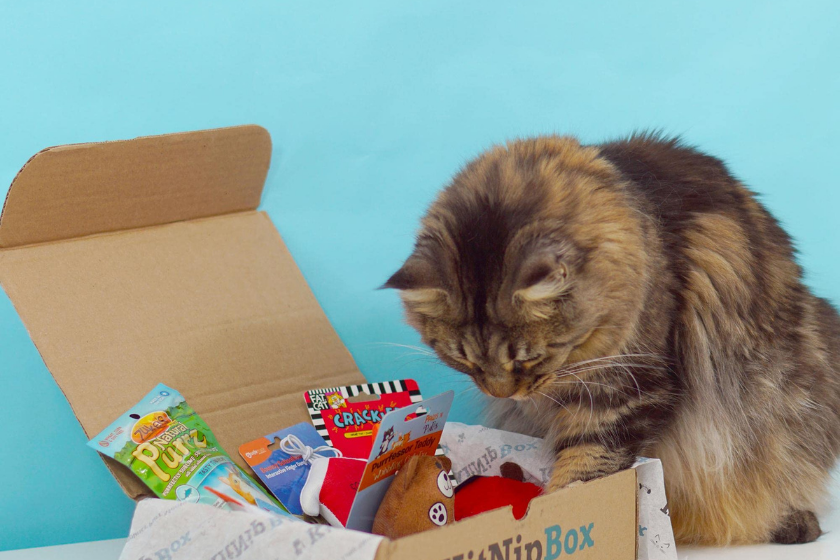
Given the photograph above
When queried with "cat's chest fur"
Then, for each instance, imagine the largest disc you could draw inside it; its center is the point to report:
(545, 261)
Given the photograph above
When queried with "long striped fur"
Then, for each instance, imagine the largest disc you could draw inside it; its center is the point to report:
(633, 298)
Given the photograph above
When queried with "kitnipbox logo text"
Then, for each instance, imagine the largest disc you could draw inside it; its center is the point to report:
(556, 543)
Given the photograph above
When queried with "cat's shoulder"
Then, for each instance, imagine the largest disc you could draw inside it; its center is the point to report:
(679, 179)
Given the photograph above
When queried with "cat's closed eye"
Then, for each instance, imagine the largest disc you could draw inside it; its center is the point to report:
(523, 364)
(471, 366)
(458, 352)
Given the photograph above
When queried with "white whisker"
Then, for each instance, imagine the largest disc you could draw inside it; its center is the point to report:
(560, 374)
(420, 349)
(584, 382)
(555, 400)
(637, 355)
(591, 403)
(633, 377)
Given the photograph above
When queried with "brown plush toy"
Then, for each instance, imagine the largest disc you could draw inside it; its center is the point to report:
(431, 502)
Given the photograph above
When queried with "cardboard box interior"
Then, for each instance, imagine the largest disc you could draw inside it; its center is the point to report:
(146, 261)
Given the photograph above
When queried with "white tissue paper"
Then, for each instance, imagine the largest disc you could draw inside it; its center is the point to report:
(165, 529)
(476, 450)
(656, 536)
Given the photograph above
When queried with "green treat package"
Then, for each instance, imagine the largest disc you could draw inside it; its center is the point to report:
(173, 451)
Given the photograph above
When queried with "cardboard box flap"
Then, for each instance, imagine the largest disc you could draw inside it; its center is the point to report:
(214, 307)
(82, 189)
(589, 521)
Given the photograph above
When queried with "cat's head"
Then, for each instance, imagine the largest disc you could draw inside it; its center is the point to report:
(531, 259)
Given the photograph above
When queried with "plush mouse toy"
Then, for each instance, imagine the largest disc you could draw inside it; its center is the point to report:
(419, 498)
(422, 497)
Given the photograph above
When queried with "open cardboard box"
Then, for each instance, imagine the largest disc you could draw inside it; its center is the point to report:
(146, 261)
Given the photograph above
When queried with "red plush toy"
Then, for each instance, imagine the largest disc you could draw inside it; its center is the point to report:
(331, 488)
(484, 493)
(421, 496)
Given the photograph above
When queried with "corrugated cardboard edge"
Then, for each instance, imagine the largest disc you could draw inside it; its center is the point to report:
(12, 205)
(233, 190)
(128, 481)
(636, 540)
(349, 373)
(396, 549)
(75, 190)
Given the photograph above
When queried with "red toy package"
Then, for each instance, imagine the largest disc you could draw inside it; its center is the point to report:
(351, 426)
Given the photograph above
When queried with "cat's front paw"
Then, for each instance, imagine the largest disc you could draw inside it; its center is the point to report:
(553, 486)
(560, 479)
(582, 463)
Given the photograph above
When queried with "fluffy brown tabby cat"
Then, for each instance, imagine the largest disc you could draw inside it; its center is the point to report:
(633, 298)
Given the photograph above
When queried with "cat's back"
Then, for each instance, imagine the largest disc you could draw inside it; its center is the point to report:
(737, 283)
(757, 354)
(710, 223)
(682, 184)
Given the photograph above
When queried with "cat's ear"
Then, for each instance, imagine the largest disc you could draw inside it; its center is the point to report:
(543, 278)
(422, 286)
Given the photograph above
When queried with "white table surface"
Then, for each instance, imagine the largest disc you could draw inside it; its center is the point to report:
(826, 548)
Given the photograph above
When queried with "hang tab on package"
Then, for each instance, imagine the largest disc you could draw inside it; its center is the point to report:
(403, 433)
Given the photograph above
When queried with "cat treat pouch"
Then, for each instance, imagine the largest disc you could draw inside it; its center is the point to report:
(164, 442)
(349, 424)
(284, 470)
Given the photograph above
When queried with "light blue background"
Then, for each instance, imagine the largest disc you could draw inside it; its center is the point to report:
(372, 107)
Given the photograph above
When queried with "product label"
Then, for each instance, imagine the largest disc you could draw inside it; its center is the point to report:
(412, 430)
(284, 474)
(350, 426)
(165, 443)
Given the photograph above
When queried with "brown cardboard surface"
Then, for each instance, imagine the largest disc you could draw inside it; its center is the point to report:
(603, 503)
(145, 261)
(71, 191)
(214, 307)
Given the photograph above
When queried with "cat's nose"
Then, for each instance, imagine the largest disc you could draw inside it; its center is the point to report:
(500, 387)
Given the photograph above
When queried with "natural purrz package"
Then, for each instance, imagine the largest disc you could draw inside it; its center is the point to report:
(165, 443)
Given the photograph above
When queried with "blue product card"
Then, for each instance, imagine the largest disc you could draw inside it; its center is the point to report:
(283, 473)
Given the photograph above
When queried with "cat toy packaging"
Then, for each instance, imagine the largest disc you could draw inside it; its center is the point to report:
(347, 491)
(348, 425)
(284, 470)
(170, 448)
(401, 435)
(144, 261)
